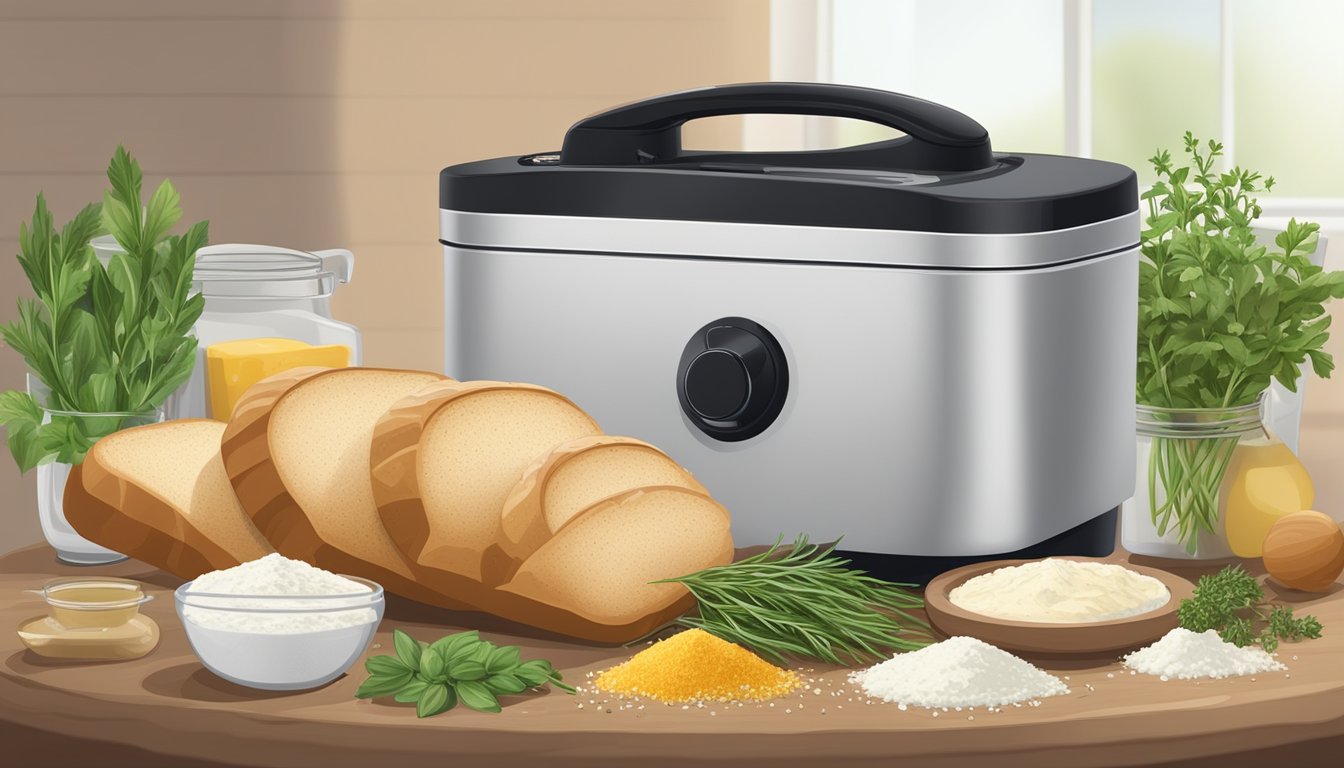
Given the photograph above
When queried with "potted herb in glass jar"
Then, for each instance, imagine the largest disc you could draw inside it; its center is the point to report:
(1220, 316)
(106, 343)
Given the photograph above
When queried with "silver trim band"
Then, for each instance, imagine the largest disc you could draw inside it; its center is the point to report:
(775, 242)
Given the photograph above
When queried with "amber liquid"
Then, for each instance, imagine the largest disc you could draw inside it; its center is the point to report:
(98, 606)
(1264, 481)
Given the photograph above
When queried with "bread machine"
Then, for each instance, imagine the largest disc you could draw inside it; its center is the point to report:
(918, 344)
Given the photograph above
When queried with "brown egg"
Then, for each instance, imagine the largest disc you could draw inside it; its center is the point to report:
(1305, 550)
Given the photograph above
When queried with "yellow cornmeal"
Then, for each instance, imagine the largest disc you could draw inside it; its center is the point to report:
(697, 666)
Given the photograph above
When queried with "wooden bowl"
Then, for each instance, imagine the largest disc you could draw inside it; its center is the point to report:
(1047, 638)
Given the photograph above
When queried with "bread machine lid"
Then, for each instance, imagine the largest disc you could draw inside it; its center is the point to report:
(939, 182)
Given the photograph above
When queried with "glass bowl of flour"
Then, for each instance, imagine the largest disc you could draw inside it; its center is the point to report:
(279, 624)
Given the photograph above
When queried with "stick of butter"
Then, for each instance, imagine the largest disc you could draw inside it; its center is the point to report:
(233, 366)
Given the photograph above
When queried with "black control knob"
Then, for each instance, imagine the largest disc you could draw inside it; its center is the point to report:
(733, 379)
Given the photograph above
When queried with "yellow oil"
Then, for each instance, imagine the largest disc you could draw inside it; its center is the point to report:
(1264, 481)
(93, 605)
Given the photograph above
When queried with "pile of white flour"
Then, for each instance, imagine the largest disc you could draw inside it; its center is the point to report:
(270, 581)
(1059, 591)
(958, 672)
(1187, 655)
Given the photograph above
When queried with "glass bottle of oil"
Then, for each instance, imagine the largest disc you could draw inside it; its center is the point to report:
(1265, 481)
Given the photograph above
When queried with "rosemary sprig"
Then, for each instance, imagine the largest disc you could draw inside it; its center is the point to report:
(807, 603)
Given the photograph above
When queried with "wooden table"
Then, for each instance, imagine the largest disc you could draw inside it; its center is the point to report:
(166, 710)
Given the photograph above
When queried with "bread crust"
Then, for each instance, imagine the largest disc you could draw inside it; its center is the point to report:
(394, 464)
(256, 480)
(523, 526)
(115, 512)
(525, 586)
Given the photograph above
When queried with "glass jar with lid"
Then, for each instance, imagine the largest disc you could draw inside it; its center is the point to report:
(262, 291)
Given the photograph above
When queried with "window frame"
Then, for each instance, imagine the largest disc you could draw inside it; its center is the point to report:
(801, 41)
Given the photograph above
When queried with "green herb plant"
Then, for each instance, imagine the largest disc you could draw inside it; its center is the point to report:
(459, 667)
(804, 602)
(1233, 603)
(111, 340)
(1220, 315)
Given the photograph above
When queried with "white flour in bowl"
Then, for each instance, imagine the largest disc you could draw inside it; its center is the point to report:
(1187, 655)
(276, 576)
(958, 672)
(1058, 591)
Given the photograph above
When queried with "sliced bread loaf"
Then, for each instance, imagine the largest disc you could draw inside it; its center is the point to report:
(575, 475)
(599, 565)
(444, 459)
(297, 453)
(159, 494)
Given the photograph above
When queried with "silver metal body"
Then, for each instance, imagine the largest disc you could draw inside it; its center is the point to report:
(980, 407)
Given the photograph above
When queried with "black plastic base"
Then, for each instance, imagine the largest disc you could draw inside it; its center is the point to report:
(1095, 538)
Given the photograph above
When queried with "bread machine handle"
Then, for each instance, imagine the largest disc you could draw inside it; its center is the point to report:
(937, 138)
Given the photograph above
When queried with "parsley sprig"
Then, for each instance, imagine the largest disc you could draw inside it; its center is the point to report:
(1233, 603)
(103, 339)
(1220, 316)
(457, 668)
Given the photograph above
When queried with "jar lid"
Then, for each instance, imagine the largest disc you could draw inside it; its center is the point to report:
(237, 270)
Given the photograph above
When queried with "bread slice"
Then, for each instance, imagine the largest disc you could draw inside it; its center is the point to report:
(297, 453)
(444, 459)
(600, 564)
(159, 494)
(575, 475)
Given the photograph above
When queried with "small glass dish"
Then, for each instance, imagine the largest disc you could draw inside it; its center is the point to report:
(93, 603)
(91, 619)
(280, 642)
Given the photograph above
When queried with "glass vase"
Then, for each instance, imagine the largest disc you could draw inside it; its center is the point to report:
(1179, 504)
(80, 429)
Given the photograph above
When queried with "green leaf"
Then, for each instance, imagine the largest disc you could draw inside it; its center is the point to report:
(466, 669)
(450, 644)
(408, 650)
(432, 664)
(505, 684)
(1191, 273)
(412, 691)
(534, 672)
(503, 659)
(19, 407)
(377, 686)
(162, 212)
(385, 665)
(477, 695)
(435, 699)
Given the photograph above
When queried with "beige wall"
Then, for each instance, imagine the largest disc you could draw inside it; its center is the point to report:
(324, 123)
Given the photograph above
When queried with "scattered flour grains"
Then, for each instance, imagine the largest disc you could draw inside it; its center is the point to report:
(958, 672)
(342, 602)
(1186, 655)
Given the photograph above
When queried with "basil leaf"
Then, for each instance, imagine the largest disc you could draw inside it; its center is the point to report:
(450, 644)
(411, 691)
(535, 672)
(432, 664)
(408, 650)
(385, 665)
(502, 659)
(435, 699)
(476, 695)
(383, 685)
(504, 684)
(466, 669)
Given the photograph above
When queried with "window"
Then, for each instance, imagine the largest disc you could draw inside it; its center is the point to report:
(1113, 79)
